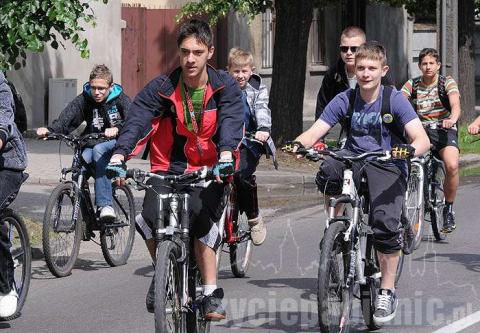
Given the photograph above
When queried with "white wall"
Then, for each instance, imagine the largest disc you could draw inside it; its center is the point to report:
(105, 48)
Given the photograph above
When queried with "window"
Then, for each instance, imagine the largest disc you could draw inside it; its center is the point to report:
(268, 34)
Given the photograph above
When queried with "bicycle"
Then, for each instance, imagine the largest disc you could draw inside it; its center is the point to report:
(178, 285)
(347, 256)
(21, 254)
(70, 215)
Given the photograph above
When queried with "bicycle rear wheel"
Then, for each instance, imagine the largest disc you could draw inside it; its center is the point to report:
(168, 308)
(117, 238)
(334, 298)
(241, 250)
(21, 255)
(414, 208)
(61, 235)
(368, 292)
(438, 201)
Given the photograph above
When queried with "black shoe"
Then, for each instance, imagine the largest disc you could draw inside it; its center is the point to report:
(150, 299)
(449, 221)
(212, 308)
(385, 307)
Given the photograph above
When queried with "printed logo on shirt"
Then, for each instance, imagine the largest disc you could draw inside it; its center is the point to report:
(97, 122)
(114, 115)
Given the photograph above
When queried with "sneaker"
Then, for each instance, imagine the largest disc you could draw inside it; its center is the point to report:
(212, 306)
(150, 299)
(449, 221)
(258, 232)
(385, 307)
(8, 304)
(107, 213)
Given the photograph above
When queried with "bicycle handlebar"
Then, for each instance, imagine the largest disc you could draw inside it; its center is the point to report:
(203, 173)
(315, 155)
(75, 139)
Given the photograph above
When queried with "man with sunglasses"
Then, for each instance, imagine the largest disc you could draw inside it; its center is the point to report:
(342, 76)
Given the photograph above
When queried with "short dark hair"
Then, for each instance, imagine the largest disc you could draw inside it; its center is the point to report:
(430, 52)
(101, 72)
(198, 29)
(353, 31)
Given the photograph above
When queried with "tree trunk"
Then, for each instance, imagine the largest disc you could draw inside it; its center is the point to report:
(293, 20)
(466, 59)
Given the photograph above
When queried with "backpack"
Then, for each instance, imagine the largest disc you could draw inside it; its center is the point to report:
(387, 118)
(442, 92)
(20, 113)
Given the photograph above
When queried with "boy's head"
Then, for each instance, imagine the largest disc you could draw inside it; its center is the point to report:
(101, 80)
(195, 46)
(350, 39)
(370, 65)
(240, 65)
(429, 62)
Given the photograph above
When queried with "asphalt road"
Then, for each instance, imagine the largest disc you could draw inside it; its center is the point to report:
(439, 286)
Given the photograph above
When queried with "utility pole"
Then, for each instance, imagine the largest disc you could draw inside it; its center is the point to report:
(447, 39)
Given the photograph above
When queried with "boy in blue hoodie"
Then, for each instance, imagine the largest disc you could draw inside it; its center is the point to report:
(103, 106)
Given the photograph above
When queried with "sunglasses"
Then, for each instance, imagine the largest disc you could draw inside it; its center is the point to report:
(344, 49)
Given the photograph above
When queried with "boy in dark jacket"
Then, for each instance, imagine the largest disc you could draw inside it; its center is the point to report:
(13, 160)
(103, 107)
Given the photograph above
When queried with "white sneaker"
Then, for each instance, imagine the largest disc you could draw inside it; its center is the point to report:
(8, 304)
(107, 212)
(258, 232)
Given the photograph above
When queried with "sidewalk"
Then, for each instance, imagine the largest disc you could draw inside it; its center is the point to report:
(44, 158)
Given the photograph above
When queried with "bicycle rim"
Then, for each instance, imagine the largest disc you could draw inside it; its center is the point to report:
(22, 257)
(438, 203)
(118, 237)
(334, 298)
(168, 307)
(414, 209)
(61, 236)
(241, 251)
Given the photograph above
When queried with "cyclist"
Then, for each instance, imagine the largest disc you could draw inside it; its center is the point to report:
(192, 117)
(437, 100)
(258, 120)
(103, 106)
(370, 131)
(13, 161)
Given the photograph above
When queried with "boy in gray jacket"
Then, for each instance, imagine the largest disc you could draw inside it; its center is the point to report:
(13, 160)
(258, 122)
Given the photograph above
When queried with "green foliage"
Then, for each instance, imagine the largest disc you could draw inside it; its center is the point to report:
(28, 25)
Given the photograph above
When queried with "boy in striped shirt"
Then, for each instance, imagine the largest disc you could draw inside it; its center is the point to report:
(437, 101)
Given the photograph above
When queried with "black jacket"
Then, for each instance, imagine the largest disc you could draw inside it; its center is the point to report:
(98, 116)
(336, 81)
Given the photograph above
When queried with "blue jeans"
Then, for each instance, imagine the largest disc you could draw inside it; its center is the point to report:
(100, 155)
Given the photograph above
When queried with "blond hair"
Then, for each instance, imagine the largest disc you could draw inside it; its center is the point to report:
(373, 51)
(353, 31)
(239, 57)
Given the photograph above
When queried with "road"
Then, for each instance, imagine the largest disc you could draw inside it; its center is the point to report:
(439, 286)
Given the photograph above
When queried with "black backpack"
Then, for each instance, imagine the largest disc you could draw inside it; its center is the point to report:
(20, 113)
(442, 92)
(387, 118)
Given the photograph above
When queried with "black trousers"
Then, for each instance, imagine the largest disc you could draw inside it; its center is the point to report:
(386, 188)
(245, 183)
(10, 182)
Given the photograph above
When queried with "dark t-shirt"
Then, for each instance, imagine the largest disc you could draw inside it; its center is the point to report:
(367, 132)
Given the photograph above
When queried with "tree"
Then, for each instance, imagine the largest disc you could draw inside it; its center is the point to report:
(292, 26)
(27, 25)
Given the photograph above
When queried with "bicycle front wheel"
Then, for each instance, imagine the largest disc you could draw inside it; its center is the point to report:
(117, 238)
(21, 255)
(438, 202)
(195, 318)
(334, 298)
(61, 235)
(168, 308)
(241, 250)
(414, 208)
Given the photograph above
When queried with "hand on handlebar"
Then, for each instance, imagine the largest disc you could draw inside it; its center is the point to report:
(262, 136)
(448, 123)
(111, 132)
(473, 129)
(42, 132)
(222, 169)
(402, 151)
(117, 170)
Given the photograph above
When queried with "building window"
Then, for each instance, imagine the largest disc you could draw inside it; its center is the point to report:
(268, 37)
(317, 36)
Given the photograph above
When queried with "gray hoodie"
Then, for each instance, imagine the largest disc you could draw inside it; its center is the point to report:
(13, 154)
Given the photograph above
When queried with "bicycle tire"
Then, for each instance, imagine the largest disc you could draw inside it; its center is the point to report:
(221, 230)
(241, 251)
(22, 257)
(368, 292)
(334, 260)
(61, 264)
(438, 201)
(168, 290)
(414, 209)
(117, 241)
(401, 262)
(195, 322)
